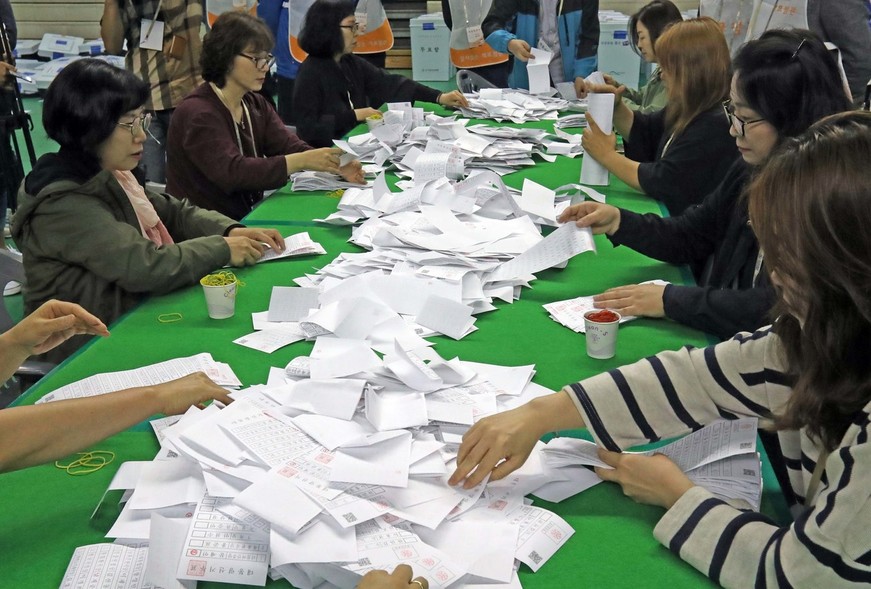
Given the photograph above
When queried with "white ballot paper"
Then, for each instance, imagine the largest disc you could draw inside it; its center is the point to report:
(566, 241)
(289, 303)
(294, 245)
(541, 534)
(218, 548)
(539, 71)
(601, 110)
(165, 545)
(107, 565)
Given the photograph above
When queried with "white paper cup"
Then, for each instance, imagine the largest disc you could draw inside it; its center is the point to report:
(220, 300)
(601, 336)
(373, 121)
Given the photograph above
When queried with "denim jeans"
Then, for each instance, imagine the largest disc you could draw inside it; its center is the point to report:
(154, 157)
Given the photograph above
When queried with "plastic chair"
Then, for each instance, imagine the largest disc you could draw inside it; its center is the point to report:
(12, 268)
(469, 82)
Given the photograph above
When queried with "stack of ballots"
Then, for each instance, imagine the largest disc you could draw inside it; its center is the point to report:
(721, 457)
(320, 477)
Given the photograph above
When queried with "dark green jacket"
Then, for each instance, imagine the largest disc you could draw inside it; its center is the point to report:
(82, 242)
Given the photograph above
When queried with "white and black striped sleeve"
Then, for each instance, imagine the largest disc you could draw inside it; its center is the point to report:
(828, 546)
(676, 392)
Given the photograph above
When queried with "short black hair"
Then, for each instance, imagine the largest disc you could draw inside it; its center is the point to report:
(86, 100)
(790, 78)
(232, 33)
(656, 17)
(321, 34)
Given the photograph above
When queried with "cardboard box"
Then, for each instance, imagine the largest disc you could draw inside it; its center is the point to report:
(430, 48)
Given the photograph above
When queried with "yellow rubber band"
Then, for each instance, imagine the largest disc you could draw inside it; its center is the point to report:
(221, 278)
(169, 317)
(87, 463)
(336, 193)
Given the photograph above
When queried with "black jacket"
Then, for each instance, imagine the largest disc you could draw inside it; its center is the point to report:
(716, 240)
(323, 89)
(694, 163)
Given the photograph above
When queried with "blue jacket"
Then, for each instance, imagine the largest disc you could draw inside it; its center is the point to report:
(578, 23)
(277, 16)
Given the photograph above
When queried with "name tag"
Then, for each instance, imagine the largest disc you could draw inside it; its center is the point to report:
(151, 34)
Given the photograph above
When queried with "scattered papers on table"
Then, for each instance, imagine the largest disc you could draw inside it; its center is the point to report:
(363, 459)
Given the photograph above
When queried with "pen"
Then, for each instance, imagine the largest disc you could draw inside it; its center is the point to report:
(21, 77)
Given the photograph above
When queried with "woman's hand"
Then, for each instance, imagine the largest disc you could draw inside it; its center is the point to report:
(653, 480)
(244, 251)
(601, 218)
(268, 237)
(510, 436)
(520, 49)
(400, 578)
(595, 142)
(5, 68)
(643, 300)
(177, 396)
(454, 99)
(353, 172)
(610, 87)
(363, 113)
(50, 325)
(324, 159)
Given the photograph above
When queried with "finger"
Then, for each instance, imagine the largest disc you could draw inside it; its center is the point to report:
(612, 459)
(506, 467)
(606, 474)
(424, 584)
(467, 464)
(272, 240)
(403, 573)
(592, 125)
(485, 467)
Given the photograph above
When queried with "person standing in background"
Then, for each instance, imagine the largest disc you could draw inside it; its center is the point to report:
(276, 13)
(567, 28)
(168, 60)
(10, 176)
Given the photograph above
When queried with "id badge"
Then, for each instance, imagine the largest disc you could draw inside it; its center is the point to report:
(151, 34)
(475, 35)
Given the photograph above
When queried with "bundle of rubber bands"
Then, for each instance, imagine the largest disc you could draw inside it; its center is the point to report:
(221, 278)
(87, 462)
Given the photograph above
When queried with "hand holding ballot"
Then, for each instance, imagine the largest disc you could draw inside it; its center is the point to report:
(652, 480)
(601, 218)
(400, 578)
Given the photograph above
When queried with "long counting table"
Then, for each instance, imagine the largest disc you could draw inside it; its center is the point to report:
(46, 511)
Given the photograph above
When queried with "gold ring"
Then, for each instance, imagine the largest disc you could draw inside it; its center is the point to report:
(420, 582)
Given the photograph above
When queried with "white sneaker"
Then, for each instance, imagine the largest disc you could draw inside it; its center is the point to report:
(12, 288)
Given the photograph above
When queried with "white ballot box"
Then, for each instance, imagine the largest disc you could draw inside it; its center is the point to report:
(616, 56)
(430, 48)
(54, 46)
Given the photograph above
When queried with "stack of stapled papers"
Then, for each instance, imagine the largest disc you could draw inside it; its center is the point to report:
(324, 476)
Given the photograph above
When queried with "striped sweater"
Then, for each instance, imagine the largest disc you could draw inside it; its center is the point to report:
(673, 393)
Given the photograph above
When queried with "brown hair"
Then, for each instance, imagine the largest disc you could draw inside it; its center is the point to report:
(231, 34)
(811, 208)
(695, 58)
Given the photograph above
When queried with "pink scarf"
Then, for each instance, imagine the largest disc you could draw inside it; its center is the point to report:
(152, 227)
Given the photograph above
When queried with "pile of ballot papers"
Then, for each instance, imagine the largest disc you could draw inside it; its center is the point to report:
(339, 465)
(324, 475)
(517, 106)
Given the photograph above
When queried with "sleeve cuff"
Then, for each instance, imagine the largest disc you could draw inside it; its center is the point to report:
(231, 227)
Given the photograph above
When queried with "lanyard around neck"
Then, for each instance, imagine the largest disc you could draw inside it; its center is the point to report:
(235, 125)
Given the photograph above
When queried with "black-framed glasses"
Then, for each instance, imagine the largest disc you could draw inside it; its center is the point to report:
(260, 62)
(733, 118)
(138, 125)
(354, 28)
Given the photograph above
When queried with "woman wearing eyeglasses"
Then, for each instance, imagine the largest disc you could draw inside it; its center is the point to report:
(783, 82)
(679, 154)
(89, 232)
(335, 89)
(226, 142)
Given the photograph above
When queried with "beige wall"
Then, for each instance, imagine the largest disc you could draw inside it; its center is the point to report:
(81, 17)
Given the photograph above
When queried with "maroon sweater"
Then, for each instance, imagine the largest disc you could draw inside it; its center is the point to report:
(203, 160)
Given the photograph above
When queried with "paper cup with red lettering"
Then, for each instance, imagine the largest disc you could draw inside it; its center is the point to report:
(220, 291)
(601, 327)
